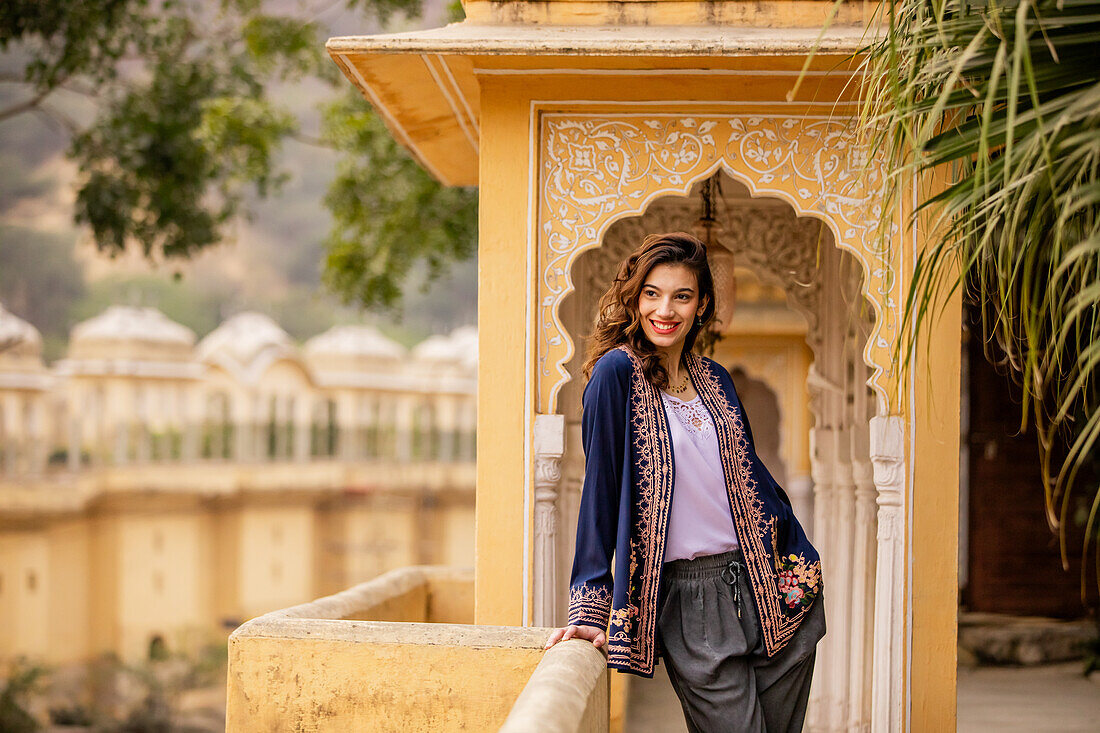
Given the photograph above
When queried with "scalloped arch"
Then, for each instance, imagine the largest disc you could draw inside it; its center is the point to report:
(597, 169)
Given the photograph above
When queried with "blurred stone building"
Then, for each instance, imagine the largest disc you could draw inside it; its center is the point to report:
(158, 491)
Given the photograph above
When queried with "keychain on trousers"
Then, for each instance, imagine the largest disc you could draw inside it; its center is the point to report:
(731, 574)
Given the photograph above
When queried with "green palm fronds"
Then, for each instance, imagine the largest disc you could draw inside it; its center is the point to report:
(994, 108)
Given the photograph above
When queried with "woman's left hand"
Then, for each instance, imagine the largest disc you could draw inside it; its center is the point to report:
(591, 633)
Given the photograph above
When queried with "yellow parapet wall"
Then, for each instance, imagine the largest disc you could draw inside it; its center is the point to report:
(335, 675)
(315, 667)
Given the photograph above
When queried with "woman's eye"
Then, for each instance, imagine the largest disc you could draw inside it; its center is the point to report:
(682, 296)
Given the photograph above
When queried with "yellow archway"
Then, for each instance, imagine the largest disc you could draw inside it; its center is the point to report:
(596, 169)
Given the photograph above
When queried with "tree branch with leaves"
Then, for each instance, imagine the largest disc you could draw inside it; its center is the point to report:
(188, 124)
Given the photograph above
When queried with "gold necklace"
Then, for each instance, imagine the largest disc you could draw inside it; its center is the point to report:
(682, 387)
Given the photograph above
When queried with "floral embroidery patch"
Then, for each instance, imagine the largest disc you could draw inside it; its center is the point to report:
(797, 580)
(621, 620)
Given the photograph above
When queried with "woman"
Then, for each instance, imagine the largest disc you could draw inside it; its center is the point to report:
(712, 570)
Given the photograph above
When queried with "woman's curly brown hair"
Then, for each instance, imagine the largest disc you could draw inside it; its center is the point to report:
(618, 321)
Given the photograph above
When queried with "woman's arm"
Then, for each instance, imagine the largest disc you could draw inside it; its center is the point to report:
(603, 434)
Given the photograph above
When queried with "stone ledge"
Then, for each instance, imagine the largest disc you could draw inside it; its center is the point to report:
(990, 639)
(567, 693)
(472, 39)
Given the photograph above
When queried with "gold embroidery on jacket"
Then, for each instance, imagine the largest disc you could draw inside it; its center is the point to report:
(589, 604)
(778, 619)
(629, 646)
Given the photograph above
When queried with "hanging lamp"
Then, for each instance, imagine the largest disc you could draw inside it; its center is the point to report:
(719, 256)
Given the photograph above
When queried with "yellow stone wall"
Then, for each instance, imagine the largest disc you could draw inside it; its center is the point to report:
(343, 664)
(504, 410)
(782, 361)
(69, 616)
(162, 590)
(385, 529)
(25, 596)
(179, 568)
(934, 528)
(445, 695)
(273, 569)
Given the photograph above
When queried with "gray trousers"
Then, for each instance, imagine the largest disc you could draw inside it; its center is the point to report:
(710, 639)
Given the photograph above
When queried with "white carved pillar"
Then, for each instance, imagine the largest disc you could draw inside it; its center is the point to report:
(468, 426)
(863, 593)
(347, 425)
(160, 424)
(241, 429)
(7, 435)
(865, 545)
(888, 457)
(6, 443)
(281, 421)
(76, 440)
(101, 440)
(800, 490)
(387, 427)
(121, 430)
(372, 426)
(569, 501)
(446, 428)
(549, 448)
(301, 411)
(217, 420)
(259, 418)
(189, 422)
(404, 425)
(823, 691)
(144, 435)
(362, 426)
(39, 435)
(839, 602)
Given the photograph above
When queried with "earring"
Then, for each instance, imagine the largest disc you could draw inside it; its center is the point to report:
(699, 320)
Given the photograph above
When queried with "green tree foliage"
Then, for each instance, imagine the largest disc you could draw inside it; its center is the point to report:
(188, 125)
(389, 215)
(150, 166)
(21, 681)
(1002, 101)
(71, 39)
(185, 122)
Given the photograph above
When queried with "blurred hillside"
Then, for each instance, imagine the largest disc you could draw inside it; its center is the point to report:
(52, 275)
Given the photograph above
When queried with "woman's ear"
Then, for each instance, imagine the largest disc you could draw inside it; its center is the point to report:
(702, 306)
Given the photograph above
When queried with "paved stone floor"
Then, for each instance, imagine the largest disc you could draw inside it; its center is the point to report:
(1049, 699)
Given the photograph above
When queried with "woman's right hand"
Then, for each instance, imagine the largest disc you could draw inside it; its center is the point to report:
(591, 633)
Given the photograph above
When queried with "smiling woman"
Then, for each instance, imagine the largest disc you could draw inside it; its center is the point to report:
(712, 571)
(668, 301)
(660, 300)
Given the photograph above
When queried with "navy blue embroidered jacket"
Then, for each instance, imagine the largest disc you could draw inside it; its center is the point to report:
(627, 497)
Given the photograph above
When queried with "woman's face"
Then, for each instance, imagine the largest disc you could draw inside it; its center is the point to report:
(668, 304)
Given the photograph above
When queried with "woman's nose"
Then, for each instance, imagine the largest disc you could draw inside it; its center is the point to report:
(664, 309)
